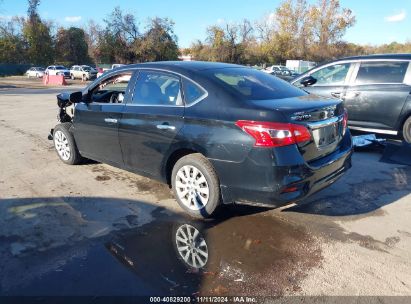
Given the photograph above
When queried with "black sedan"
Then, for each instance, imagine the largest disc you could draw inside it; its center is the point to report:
(217, 133)
(375, 90)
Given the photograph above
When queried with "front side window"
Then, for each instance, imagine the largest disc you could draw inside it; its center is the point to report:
(112, 89)
(332, 75)
(157, 89)
(381, 72)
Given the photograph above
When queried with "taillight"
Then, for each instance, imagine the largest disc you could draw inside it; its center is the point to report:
(274, 134)
(345, 121)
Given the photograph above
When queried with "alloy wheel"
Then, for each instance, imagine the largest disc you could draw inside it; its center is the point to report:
(62, 145)
(192, 187)
(191, 246)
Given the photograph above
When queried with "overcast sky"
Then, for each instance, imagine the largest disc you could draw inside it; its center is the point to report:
(378, 21)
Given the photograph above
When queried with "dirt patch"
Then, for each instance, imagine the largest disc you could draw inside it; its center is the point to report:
(102, 178)
(141, 184)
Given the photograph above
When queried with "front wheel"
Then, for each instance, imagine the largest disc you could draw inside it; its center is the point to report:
(196, 185)
(406, 130)
(65, 145)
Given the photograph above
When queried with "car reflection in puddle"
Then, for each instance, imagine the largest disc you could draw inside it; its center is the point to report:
(244, 255)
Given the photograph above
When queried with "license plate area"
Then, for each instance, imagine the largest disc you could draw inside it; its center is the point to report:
(327, 135)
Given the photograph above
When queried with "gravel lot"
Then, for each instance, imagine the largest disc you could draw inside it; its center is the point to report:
(60, 225)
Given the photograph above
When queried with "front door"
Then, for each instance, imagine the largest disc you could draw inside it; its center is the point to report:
(97, 119)
(151, 121)
(331, 80)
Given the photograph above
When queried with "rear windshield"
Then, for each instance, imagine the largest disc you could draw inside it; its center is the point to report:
(59, 67)
(254, 85)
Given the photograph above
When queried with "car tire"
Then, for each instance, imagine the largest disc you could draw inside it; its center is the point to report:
(65, 144)
(198, 195)
(406, 130)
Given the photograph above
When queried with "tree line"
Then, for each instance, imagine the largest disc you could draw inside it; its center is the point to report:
(295, 30)
(32, 40)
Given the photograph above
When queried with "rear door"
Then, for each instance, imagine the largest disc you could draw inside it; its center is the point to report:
(151, 121)
(377, 94)
(331, 80)
(96, 122)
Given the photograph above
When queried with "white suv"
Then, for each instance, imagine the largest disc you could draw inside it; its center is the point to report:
(57, 70)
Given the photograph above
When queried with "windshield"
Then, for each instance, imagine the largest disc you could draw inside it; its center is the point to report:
(254, 85)
(86, 69)
(60, 67)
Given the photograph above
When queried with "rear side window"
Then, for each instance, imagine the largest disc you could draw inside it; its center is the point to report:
(381, 72)
(254, 85)
(192, 92)
(157, 89)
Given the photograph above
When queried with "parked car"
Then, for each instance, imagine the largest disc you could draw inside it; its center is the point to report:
(280, 70)
(57, 70)
(375, 90)
(83, 72)
(37, 72)
(114, 66)
(217, 133)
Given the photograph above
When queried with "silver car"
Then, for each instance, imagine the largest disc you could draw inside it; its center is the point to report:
(83, 72)
(37, 72)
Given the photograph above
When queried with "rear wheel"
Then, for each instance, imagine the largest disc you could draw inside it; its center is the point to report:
(196, 185)
(406, 130)
(65, 145)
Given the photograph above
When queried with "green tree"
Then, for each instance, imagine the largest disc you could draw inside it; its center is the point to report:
(12, 46)
(71, 46)
(158, 43)
(118, 37)
(40, 48)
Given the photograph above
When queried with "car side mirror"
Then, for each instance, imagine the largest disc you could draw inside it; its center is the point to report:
(76, 97)
(308, 81)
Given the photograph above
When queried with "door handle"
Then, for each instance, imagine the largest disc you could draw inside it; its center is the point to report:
(111, 120)
(166, 127)
(336, 94)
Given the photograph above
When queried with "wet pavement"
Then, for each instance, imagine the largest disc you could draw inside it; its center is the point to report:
(246, 253)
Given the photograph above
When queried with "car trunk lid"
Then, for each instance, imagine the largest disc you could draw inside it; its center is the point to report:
(323, 118)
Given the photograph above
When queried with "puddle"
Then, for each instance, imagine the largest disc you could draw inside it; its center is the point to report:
(247, 255)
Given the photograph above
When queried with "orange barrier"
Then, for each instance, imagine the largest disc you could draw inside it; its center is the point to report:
(54, 79)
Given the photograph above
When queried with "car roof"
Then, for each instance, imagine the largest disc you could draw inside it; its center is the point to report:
(182, 66)
(379, 56)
